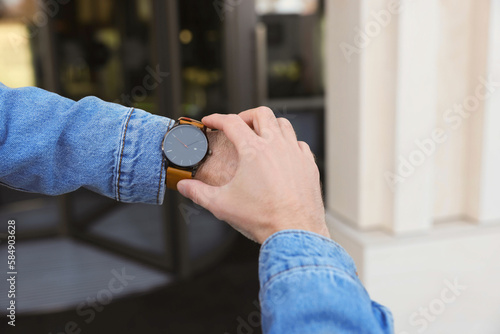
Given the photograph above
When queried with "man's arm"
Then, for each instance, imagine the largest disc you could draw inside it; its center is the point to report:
(309, 285)
(53, 145)
(308, 282)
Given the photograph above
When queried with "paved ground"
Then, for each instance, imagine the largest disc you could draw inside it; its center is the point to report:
(219, 301)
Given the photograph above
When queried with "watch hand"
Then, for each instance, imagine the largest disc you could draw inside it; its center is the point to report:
(179, 141)
(195, 142)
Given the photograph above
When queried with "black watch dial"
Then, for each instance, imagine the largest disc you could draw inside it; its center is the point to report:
(185, 145)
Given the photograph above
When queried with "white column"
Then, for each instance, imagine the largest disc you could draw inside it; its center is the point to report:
(379, 103)
(404, 95)
(484, 199)
(455, 59)
(415, 124)
(343, 98)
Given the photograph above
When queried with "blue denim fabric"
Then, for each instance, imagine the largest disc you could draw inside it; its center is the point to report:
(53, 145)
(308, 285)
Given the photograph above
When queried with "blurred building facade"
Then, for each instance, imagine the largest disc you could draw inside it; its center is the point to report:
(171, 58)
(410, 149)
(413, 156)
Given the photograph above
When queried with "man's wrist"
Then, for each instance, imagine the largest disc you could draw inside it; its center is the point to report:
(218, 169)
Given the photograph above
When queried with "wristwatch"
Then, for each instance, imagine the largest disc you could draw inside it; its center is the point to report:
(185, 147)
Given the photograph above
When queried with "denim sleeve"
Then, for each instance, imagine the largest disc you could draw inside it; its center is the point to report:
(53, 145)
(309, 285)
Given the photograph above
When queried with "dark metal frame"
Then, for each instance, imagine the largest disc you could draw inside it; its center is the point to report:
(240, 20)
(176, 258)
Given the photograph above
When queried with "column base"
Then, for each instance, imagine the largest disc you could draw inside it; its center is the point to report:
(443, 281)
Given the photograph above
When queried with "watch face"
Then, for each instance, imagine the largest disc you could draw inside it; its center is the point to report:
(185, 145)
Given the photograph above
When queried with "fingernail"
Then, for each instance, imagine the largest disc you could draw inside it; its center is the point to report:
(182, 189)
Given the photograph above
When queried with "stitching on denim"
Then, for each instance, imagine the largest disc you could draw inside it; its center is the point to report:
(15, 188)
(303, 232)
(159, 182)
(121, 155)
(327, 268)
(306, 234)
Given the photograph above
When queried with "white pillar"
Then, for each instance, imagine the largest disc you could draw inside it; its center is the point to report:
(484, 199)
(379, 103)
(395, 95)
(343, 96)
(415, 124)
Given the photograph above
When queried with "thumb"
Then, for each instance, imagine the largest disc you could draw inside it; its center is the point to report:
(199, 192)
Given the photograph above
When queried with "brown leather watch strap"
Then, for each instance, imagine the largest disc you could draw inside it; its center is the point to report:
(193, 122)
(174, 175)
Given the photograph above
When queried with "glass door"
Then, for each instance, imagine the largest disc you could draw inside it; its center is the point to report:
(274, 58)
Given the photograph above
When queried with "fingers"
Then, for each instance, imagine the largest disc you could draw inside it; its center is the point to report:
(233, 126)
(260, 119)
(304, 147)
(287, 130)
(199, 192)
(263, 118)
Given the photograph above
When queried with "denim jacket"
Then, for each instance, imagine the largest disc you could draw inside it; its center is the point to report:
(53, 145)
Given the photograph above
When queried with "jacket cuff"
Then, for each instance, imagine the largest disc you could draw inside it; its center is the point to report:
(140, 171)
(289, 249)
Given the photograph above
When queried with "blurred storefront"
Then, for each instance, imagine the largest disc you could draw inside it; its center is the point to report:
(170, 58)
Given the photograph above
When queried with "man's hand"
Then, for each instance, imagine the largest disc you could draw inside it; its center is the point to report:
(276, 183)
(220, 166)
